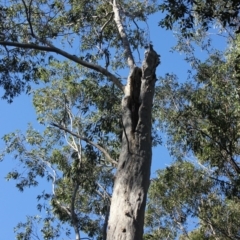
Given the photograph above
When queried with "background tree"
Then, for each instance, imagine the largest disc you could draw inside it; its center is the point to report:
(201, 119)
(191, 15)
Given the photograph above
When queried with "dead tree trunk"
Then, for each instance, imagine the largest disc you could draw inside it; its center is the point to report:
(131, 184)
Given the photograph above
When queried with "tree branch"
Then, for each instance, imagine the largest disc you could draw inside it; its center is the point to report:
(221, 147)
(73, 216)
(28, 15)
(121, 30)
(65, 209)
(74, 58)
(104, 229)
(101, 149)
(108, 21)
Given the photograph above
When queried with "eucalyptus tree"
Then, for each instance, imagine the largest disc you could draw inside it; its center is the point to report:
(201, 118)
(96, 35)
(187, 202)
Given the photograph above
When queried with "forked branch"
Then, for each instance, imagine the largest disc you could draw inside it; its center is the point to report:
(101, 149)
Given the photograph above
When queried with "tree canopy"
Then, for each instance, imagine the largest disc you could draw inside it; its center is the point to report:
(201, 118)
(191, 14)
(84, 32)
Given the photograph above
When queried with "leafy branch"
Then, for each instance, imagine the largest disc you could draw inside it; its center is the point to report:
(74, 58)
(101, 149)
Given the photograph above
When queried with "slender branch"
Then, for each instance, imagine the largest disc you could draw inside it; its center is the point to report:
(74, 58)
(63, 207)
(108, 21)
(100, 38)
(105, 224)
(46, 163)
(105, 192)
(121, 30)
(104, 195)
(101, 149)
(73, 216)
(230, 159)
(71, 211)
(28, 15)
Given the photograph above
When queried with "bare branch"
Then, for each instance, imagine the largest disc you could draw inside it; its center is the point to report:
(121, 30)
(101, 149)
(28, 15)
(74, 58)
(106, 194)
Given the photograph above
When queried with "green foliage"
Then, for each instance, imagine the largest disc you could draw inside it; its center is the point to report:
(189, 14)
(30, 229)
(81, 177)
(85, 28)
(61, 166)
(72, 166)
(201, 119)
(183, 192)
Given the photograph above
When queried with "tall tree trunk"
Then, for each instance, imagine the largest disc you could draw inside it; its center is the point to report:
(132, 179)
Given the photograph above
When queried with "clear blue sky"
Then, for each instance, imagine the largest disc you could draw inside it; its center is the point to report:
(14, 205)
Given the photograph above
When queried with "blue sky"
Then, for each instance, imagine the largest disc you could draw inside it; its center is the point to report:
(15, 205)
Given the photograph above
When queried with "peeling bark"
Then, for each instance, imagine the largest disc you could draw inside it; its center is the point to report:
(132, 179)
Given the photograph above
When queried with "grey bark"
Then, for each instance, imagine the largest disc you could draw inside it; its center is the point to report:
(132, 179)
